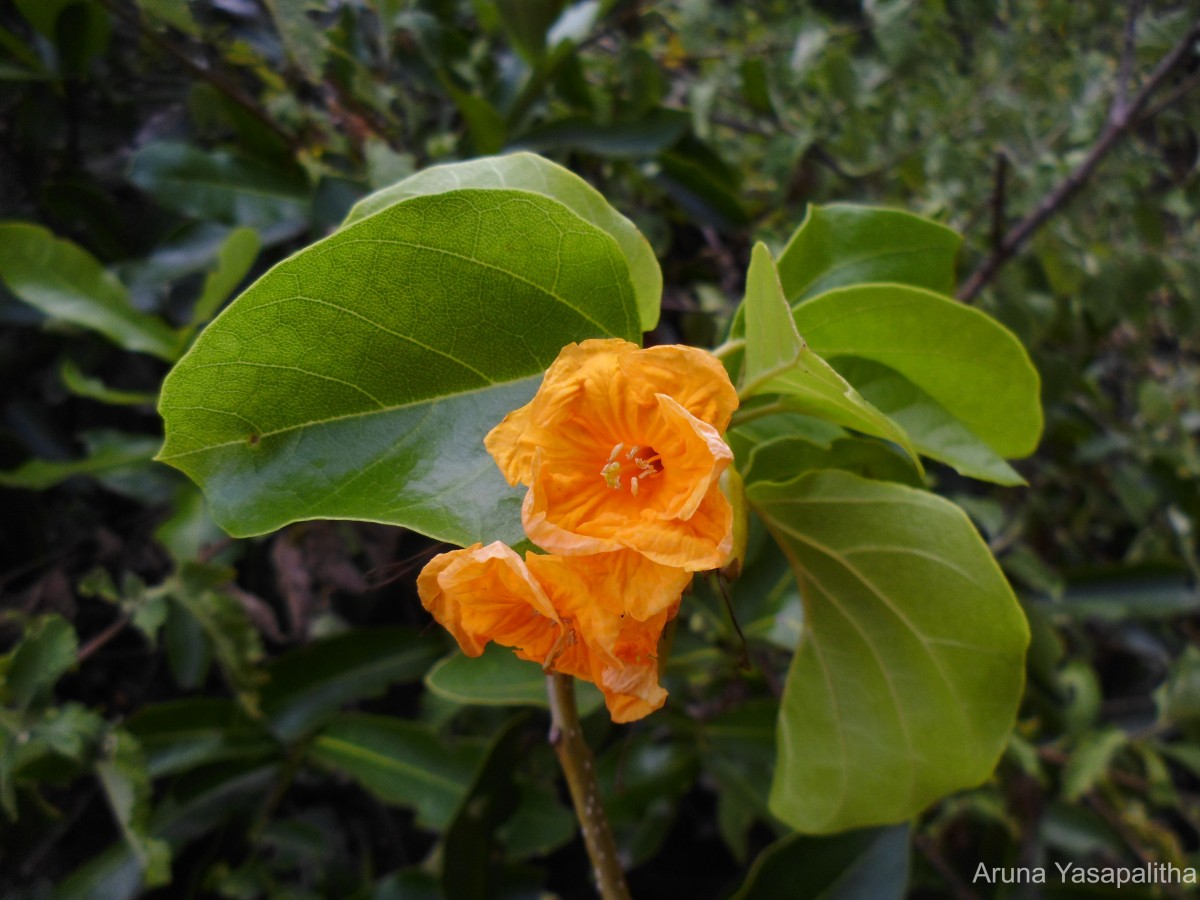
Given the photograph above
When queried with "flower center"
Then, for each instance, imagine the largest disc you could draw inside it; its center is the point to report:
(636, 465)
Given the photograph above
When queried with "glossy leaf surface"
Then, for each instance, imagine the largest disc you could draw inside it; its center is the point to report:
(966, 361)
(778, 361)
(530, 172)
(907, 679)
(841, 244)
(358, 378)
(402, 762)
(67, 283)
(499, 678)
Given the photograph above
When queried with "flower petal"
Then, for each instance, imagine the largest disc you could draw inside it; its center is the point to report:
(483, 594)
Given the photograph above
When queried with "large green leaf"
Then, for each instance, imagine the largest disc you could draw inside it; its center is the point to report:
(357, 379)
(966, 361)
(778, 361)
(401, 762)
(906, 682)
(499, 678)
(308, 686)
(934, 432)
(66, 282)
(530, 172)
(841, 245)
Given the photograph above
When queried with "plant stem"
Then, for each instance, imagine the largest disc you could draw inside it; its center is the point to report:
(1125, 115)
(575, 757)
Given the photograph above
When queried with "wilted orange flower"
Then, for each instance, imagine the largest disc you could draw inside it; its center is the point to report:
(598, 618)
(621, 448)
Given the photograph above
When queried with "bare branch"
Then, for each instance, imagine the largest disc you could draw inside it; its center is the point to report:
(1120, 123)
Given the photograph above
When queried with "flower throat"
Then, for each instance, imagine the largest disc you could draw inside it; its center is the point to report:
(641, 467)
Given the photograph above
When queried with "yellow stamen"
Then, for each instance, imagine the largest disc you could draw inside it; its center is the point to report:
(615, 451)
(632, 450)
(633, 485)
(612, 475)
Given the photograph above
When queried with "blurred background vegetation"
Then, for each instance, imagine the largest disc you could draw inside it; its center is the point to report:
(174, 717)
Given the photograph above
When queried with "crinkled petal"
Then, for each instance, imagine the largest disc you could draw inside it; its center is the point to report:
(482, 594)
(615, 606)
(694, 378)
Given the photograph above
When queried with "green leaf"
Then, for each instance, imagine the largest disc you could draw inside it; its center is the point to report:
(527, 22)
(642, 781)
(862, 865)
(232, 638)
(499, 678)
(42, 14)
(46, 653)
(170, 12)
(308, 686)
(647, 136)
(907, 680)
(234, 259)
(127, 786)
(66, 282)
(469, 849)
(112, 452)
(30, 744)
(357, 379)
(777, 448)
(841, 245)
(194, 807)
(1089, 761)
(180, 735)
(738, 752)
(967, 362)
(530, 172)
(95, 389)
(218, 185)
(934, 432)
(403, 763)
(540, 825)
(484, 123)
(304, 41)
(778, 361)
(700, 190)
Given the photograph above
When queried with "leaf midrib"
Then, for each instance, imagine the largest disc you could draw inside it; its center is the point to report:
(389, 763)
(354, 415)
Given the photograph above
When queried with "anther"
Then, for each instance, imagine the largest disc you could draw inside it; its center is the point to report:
(633, 485)
(612, 475)
(616, 450)
(632, 450)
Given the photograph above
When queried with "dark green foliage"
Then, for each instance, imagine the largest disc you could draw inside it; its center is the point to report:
(249, 718)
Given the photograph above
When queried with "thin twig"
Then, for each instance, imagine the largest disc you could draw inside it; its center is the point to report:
(999, 199)
(1125, 68)
(115, 628)
(575, 757)
(1123, 117)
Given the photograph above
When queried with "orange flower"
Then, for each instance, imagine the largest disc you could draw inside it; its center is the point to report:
(621, 448)
(598, 618)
